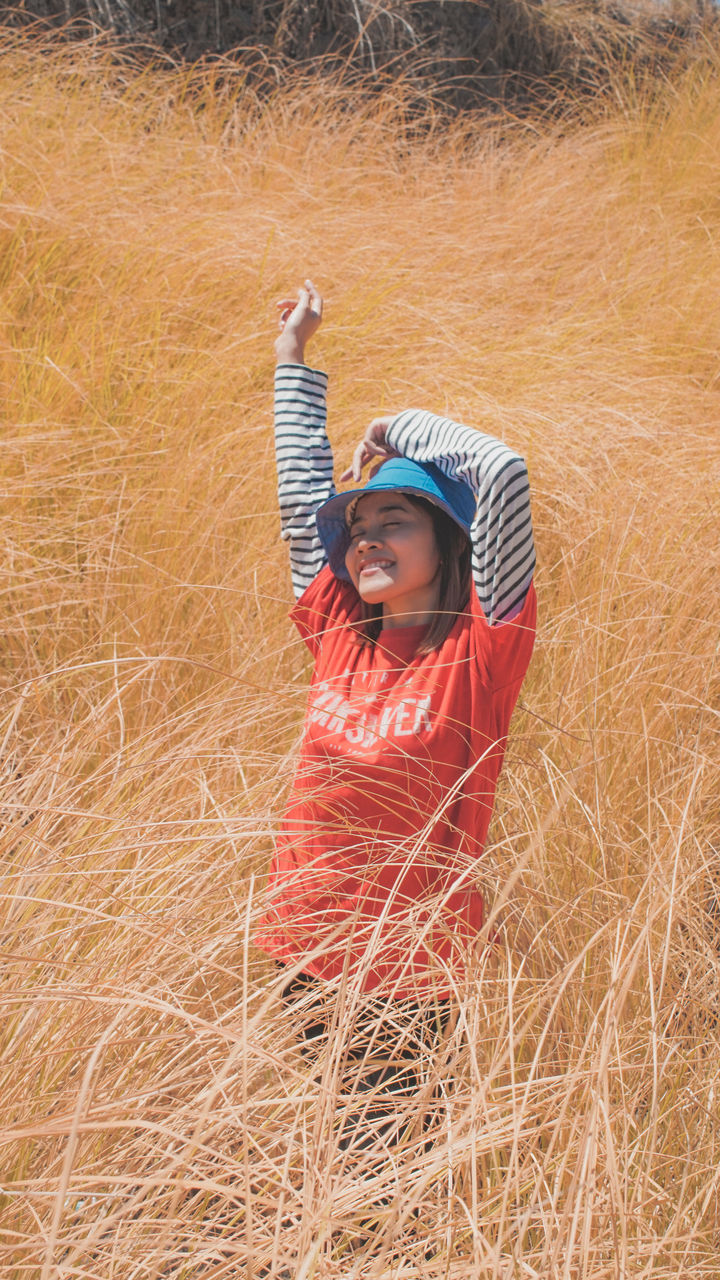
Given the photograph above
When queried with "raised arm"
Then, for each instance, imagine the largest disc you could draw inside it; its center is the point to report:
(302, 449)
(502, 536)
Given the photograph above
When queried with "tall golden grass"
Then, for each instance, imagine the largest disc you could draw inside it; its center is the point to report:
(558, 287)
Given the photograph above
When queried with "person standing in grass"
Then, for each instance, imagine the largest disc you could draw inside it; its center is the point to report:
(415, 599)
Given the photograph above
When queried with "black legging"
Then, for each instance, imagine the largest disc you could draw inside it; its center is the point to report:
(389, 1041)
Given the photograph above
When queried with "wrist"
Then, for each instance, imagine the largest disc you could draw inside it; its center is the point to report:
(289, 352)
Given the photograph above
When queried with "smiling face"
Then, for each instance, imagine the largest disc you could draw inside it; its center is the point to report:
(393, 558)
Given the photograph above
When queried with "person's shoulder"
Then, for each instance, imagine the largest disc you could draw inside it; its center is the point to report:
(327, 605)
(513, 640)
(502, 649)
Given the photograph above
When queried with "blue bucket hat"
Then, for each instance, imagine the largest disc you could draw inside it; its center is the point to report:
(422, 479)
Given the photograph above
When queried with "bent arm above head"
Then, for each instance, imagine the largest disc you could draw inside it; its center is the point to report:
(304, 463)
(502, 536)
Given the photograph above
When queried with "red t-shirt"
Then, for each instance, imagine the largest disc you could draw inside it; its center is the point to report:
(373, 873)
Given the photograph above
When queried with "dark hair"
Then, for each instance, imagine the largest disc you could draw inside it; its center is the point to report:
(455, 577)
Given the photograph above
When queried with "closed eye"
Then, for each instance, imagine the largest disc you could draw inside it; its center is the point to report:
(386, 524)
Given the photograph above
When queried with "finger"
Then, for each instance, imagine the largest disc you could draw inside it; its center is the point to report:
(315, 297)
(285, 308)
(358, 462)
(360, 459)
(354, 471)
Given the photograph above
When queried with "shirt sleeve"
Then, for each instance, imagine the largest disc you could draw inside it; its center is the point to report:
(328, 606)
(304, 465)
(503, 549)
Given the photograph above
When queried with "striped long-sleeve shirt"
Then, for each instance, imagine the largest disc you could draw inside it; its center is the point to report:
(502, 538)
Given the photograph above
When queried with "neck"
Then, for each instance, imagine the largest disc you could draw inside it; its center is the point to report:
(409, 612)
(392, 622)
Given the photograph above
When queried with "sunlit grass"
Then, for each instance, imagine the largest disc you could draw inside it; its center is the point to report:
(557, 288)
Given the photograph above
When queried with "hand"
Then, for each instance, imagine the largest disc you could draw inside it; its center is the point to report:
(372, 445)
(298, 320)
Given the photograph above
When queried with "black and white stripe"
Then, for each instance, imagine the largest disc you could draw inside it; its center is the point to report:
(305, 465)
(502, 537)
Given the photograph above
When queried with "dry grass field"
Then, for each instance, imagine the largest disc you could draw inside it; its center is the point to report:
(556, 285)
